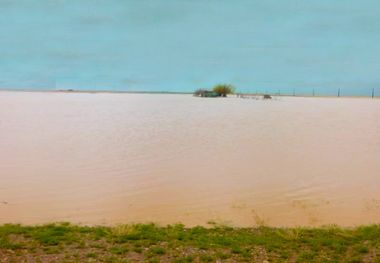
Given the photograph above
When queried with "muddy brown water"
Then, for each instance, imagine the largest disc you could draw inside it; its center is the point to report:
(127, 158)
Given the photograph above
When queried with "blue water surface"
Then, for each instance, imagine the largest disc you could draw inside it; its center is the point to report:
(179, 45)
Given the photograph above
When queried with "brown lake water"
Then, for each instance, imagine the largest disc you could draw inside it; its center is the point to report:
(126, 158)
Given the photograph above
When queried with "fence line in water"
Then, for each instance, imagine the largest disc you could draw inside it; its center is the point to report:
(339, 93)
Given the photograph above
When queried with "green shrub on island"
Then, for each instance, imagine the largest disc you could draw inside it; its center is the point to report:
(221, 90)
(224, 89)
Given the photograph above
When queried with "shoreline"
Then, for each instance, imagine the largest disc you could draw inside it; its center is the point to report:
(176, 243)
(250, 95)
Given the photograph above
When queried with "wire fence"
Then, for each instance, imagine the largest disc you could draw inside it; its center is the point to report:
(371, 93)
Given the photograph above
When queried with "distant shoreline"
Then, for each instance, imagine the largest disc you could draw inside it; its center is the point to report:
(178, 93)
(95, 91)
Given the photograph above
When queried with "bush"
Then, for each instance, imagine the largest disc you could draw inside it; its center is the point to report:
(223, 89)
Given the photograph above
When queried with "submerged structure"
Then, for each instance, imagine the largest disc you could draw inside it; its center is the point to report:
(206, 93)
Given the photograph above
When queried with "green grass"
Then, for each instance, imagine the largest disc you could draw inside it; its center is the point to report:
(63, 242)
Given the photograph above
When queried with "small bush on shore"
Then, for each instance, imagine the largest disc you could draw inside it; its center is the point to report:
(224, 89)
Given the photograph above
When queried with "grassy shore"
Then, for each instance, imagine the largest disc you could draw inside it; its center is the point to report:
(64, 242)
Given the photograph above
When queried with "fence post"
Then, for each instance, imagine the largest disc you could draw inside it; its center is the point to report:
(373, 93)
(339, 92)
(313, 92)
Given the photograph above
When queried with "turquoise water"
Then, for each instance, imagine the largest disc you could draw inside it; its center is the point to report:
(183, 45)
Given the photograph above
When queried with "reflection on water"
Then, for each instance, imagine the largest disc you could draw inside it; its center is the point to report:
(121, 158)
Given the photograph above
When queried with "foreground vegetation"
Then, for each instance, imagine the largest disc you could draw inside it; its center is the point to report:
(149, 243)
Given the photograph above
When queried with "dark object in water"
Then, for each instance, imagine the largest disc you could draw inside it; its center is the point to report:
(210, 94)
(267, 97)
(206, 93)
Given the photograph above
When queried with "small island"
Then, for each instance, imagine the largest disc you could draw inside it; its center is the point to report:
(220, 90)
